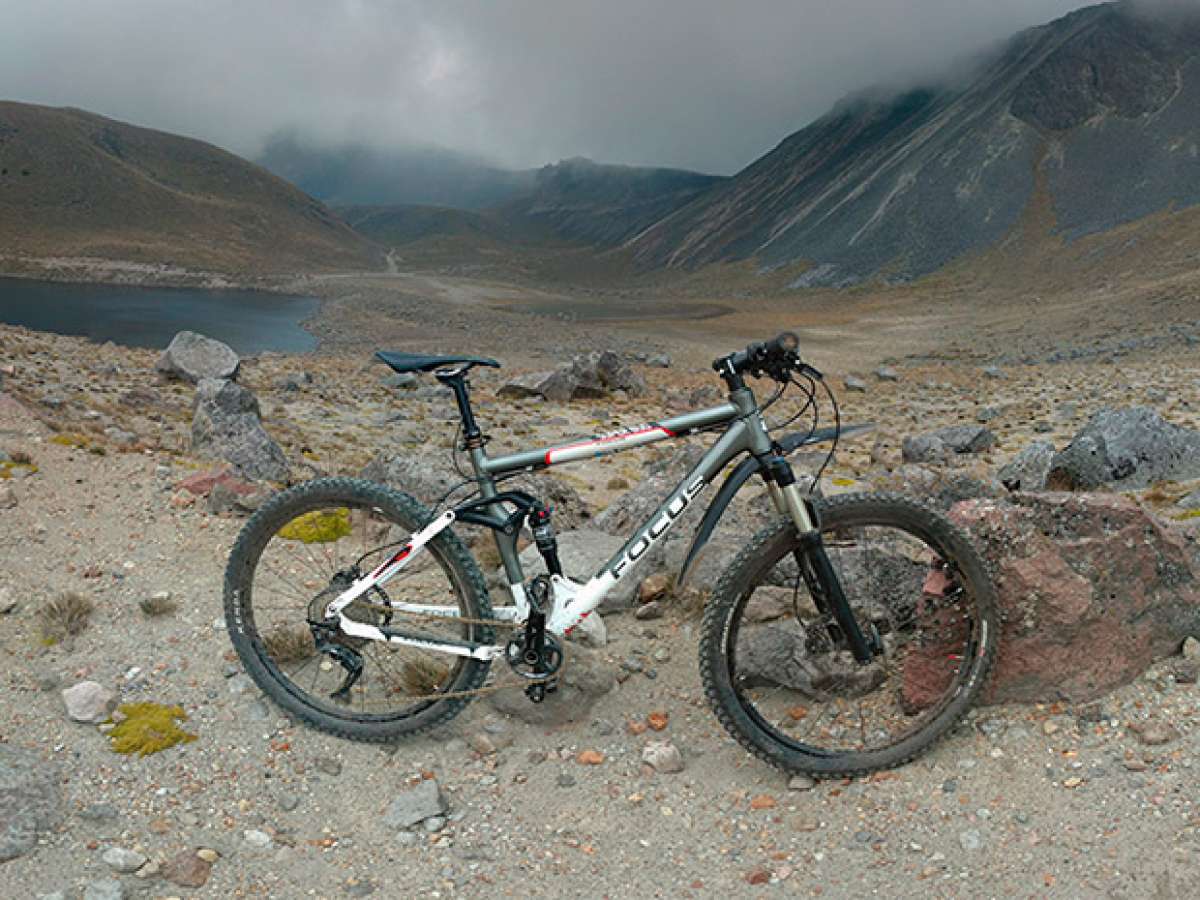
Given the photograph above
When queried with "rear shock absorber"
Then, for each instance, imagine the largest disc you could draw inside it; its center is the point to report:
(545, 538)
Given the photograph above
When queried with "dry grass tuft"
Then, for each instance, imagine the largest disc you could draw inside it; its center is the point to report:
(289, 644)
(64, 616)
(422, 675)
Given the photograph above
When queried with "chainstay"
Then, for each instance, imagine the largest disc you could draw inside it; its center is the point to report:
(500, 683)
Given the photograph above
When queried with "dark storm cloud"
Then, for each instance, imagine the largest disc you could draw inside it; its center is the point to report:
(706, 84)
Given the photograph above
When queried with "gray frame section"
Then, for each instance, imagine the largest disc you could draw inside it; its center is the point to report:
(745, 434)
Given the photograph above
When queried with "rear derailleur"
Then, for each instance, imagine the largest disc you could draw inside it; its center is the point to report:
(534, 654)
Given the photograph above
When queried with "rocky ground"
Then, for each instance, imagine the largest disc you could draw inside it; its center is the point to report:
(1043, 799)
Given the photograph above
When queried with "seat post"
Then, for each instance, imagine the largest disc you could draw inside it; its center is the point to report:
(456, 380)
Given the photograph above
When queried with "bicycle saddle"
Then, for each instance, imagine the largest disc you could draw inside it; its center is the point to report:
(417, 362)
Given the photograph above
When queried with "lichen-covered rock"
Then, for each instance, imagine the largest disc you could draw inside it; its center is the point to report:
(1093, 590)
(226, 425)
(89, 702)
(1126, 448)
(192, 357)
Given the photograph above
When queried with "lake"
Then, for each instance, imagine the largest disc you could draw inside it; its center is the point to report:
(248, 321)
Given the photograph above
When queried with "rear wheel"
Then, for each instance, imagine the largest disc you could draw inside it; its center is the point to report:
(776, 667)
(303, 548)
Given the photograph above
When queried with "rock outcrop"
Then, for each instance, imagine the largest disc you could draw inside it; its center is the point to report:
(226, 425)
(192, 357)
(590, 376)
(1093, 590)
(1126, 448)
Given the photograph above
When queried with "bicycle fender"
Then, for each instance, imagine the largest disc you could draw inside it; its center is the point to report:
(738, 477)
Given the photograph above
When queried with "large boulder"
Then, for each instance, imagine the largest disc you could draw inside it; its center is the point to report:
(1029, 469)
(942, 444)
(590, 376)
(599, 373)
(1093, 590)
(1126, 448)
(30, 800)
(192, 357)
(558, 385)
(226, 425)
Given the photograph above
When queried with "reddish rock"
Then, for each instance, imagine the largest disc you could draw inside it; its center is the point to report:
(1093, 590)
(187, 869)
(202, 483)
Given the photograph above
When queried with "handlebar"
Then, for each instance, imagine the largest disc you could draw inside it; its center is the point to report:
(778, 358)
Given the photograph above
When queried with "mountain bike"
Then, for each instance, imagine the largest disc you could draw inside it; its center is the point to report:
(847, 635)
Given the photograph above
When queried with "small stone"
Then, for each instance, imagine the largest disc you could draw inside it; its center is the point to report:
(260, 840)
(287, 802)
(654, 587)
(160, 603)
(658, 720)
(8, 497)
(886, 373)
(589, 757)
(434, 824)
(662, 655)
(970, 840)
(89, 702)
(565, 780)
(416, 804)
(208, 854)
(121, 860)
(104, 889)
(763, 801)
(329, 765)
(1152, 733)
(1191, 649)
(1049, 727)
(99, 812)
(648, 611)
(663, 756)
(406, 839)
(855, 384)
(801, 783)
(1072, 782)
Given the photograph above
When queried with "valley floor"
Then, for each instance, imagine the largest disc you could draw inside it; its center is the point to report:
(1047, 801)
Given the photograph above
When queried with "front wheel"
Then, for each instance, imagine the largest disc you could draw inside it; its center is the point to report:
(775, 664)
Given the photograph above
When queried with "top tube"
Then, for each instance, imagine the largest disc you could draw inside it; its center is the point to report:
(613, 442)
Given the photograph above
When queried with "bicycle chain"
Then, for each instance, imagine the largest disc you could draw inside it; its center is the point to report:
(500, 684)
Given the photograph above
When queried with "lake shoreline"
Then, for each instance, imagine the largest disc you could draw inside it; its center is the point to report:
(252, 321)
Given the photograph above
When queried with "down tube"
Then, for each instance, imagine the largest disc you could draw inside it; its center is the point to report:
(732, 442)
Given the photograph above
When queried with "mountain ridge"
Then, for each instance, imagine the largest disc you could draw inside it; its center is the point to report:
(73, 183)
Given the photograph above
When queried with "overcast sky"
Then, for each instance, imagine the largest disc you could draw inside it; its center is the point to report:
(704, 84)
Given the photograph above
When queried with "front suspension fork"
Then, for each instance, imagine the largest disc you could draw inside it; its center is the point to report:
(816, 569)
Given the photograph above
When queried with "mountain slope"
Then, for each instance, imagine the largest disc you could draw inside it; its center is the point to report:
(357, 175)
(77, 184)
(605, 204)
(1100, 110)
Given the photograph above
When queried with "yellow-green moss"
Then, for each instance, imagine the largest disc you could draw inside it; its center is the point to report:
(843, 482)
(1190, 514)
(7, 466)
(321, 526)
(71, 439)
(149, 728)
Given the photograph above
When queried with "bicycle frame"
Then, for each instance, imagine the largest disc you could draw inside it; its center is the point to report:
(572, 601)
